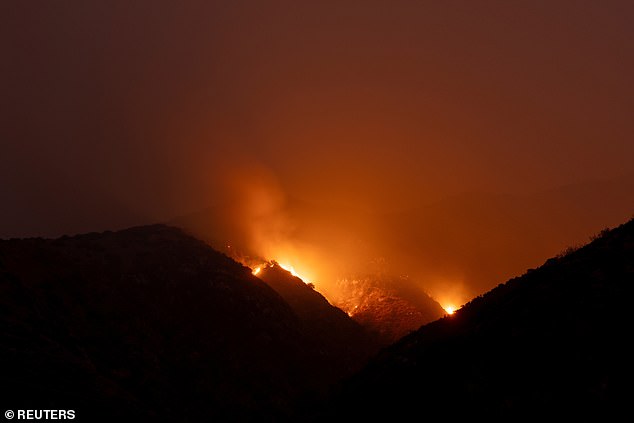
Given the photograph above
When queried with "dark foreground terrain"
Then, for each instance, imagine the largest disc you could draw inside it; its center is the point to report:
(553, 343)
(151, 324)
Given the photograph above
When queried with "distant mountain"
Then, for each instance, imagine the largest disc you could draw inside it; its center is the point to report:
(553, 343)
(151, 324)
(384, 307)
(453, 248)
(387, 307)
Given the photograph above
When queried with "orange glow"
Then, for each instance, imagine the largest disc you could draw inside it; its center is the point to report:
(451, 293)
(293, 272)
(352, 311)
(289, 268)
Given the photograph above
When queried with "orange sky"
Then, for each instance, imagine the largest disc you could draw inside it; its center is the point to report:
(412, 120)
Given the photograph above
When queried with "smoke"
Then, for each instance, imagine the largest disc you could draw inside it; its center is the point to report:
(255, 220)
(452, 250)
(339, 138)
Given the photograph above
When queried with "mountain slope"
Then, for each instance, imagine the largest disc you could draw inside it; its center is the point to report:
(147, 323)
(338, 339)
(553, 342)
(387, 307)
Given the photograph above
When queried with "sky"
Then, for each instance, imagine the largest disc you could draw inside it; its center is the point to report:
(121, 113)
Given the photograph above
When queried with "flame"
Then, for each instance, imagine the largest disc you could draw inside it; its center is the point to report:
(289, 268)
(293, 272)
(451, 293)
(353, 311)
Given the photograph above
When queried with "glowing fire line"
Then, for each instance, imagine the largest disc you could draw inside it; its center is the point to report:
(290, 269)
(293, 272)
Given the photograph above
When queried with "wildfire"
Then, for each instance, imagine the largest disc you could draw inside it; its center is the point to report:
(450, 309)
(257, 270)
(353, 311)
(293, 272)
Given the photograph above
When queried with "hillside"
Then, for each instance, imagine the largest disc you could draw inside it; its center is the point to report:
(387, 307)
(148, 323)
(553, 342)
(338, 339)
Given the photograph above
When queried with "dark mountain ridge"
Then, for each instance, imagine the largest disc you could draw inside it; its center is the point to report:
(386, 306)
(335, 334)
(150, 324)
(553, 342)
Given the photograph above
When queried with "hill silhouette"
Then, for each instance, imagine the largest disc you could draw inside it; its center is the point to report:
(387, 306)
(551, 343)
(338, 339)
(151, 324)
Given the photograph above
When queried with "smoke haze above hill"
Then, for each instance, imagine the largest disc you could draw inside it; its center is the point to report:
(427, 134)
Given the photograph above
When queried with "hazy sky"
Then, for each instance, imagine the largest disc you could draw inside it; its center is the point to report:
(117, 113)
